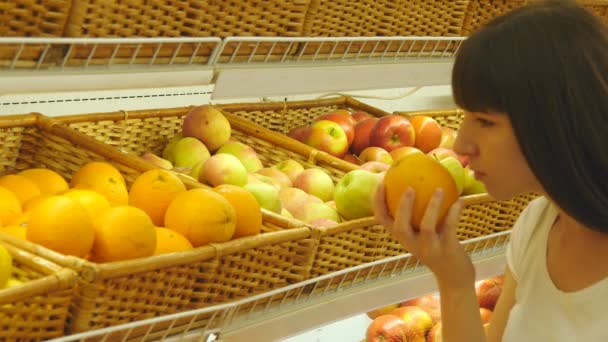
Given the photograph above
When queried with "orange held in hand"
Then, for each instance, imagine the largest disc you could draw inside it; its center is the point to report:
(423, 174)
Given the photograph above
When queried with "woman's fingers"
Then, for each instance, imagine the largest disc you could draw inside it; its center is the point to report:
(451, 220)
(380, 210)
(402, 226)
(428, 225)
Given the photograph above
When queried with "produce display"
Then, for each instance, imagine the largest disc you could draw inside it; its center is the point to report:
(419, 319)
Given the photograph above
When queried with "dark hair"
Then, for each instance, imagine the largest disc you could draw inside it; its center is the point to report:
(545, 65)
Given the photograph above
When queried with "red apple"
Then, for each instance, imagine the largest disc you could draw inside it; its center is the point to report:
(485, 314)
(417, 321)
(374, 166)
(392, 132)
(429, 303)
(385, 310)
(403, 151)
(299, 133)
(351, 158)
(488, 292)
(386, 328)
(463, 159)
(360, 116)
(434, 334)
(328, 136)
(363, 130)
(374, 153)
(344, 120)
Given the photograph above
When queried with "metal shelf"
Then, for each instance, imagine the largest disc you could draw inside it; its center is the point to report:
(239, 66)
(296, 308)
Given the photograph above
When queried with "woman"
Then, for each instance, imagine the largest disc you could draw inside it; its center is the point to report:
(534, 86)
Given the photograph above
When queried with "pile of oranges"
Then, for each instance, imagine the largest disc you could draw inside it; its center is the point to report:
(96, 216)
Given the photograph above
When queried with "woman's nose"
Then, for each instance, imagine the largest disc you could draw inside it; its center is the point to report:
(463, 144)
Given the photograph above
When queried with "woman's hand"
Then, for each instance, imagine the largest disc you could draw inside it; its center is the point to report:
(435, 245)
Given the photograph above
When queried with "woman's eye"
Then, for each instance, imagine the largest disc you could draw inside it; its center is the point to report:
(485, 123)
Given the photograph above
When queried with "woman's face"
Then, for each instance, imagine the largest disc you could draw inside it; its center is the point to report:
(495, 156)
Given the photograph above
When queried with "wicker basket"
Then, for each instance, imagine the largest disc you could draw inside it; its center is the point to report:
(143, 131)
(480, 12)
(208, 18)
(31, 18)
(37, 309)
(119, 292)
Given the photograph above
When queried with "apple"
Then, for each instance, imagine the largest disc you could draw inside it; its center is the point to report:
(208, 125)
(385, 310)
(351, 158)
(360, 116)
(386, 328)
(189, 151)
(448, 137)
(429, 303)
(391, 132)
(293, 198)
(456, 170)
(344, 120)
(374, 166)
(299, 133)
(244, 153)
(314, 210)
(323, 222)
(291, 168)
(354, 194)
(434, 334)
(317, 182)
(157, 161)
(464, 159)
(488, 292)
(486, 315)
(374, 153)
(403, 151)
(224, 169)
(363, 130)
(332, 204)
(472, 186)
(279, 176)
(442, 152)
(168, 150)
(265, 179)
(266, 195)
(329, 137)
(417, 321)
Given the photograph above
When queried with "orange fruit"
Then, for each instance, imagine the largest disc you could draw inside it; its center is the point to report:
(153, 191)
(424, 174)
(21, 220)
(247, 208)
(16, 231)
(61, 224)
(427, 131)
(103, 178)
(203, 216)
(24, 188)
(170, 241)
(123, 233)
(93, 202)
(32, 202)
(10, 207)
(49, 182)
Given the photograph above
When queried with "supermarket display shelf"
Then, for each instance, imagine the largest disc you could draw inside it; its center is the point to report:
(271, 65)
(303, 306)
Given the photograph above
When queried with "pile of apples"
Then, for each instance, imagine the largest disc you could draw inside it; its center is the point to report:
(375, 143)
(419, 319)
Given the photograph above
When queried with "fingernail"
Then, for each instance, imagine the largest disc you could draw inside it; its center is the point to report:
(409, 192)
(439, 193)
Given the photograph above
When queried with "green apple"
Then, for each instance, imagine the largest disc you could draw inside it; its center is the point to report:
(266, 195)
(355, 193)
(168, 150)
(316, 182)
(472, 186)
(315, 210)
(189, 151)
(244, 153)
(224, 169)
(291, 168)
(456, 170)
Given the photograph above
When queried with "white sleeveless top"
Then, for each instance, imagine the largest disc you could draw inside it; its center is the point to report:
(542, 312)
